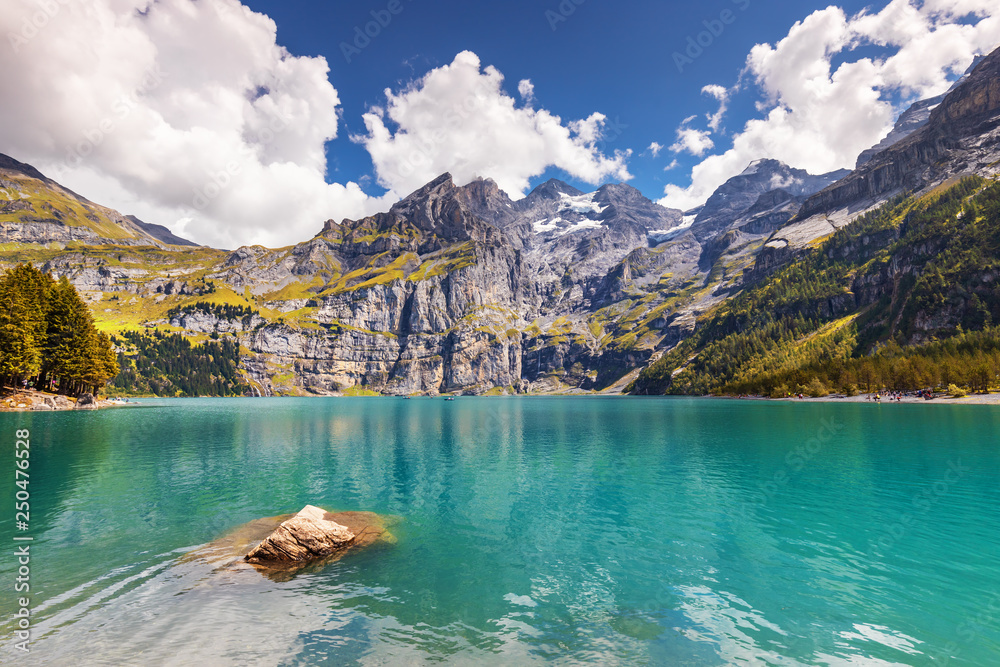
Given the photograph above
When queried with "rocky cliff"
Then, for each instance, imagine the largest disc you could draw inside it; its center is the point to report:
(453, 291)
(962, 136)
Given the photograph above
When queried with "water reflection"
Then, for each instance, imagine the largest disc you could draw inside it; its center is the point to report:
(582, 530)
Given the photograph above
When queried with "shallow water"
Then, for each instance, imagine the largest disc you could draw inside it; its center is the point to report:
(601, 530)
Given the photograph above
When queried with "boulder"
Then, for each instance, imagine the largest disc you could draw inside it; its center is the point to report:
(86, 400)
(62, 403)
(230, 552)
(307, 536)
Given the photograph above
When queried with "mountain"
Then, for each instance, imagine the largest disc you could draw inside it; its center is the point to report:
(36, 209)
(159, 232)
(461, 289)
(740, 194)
(874, 306)
(913, 118)
(452, 289)
(575, 239)
(961, 136)
(879, 278)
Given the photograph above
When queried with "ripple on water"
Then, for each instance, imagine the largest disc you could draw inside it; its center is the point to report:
(568, 530)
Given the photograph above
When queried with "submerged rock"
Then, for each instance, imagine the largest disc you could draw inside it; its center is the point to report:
(307, 536)
(239, 550)
(251, 544)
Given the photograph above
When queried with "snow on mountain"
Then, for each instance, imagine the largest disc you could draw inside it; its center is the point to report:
(660, 235)
(739, 193)
(582, 204)
(562, 227)
(573, 213)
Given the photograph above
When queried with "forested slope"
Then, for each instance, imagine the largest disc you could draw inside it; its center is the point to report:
(904, 298)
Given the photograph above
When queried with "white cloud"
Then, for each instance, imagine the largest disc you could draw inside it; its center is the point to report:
(655, 148)
(190, 108)
(691, 140)
(722, 96)
(458, 119)
(673, 165)
(527, 90)
(820, 117)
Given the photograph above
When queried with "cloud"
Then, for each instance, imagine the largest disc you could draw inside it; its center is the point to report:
(655, 148)
(191, 108)
(819, 117)
(722, 95)
(691, 140)
(673, 165)
(527, 90)
(457, 118)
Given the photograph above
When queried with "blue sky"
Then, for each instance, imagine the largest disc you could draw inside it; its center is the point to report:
(244, 123)
(615, 58)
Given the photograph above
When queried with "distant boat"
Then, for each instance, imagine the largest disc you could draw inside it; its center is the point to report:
(450, 398)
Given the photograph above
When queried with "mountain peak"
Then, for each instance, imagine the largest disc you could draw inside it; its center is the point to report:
(10, 164)
(486, 200)
(441, 184)
(160, 233)
(435, 190)
(623, 188)
(762, 165)
(553, 189)
(976, 97)
(738, 195)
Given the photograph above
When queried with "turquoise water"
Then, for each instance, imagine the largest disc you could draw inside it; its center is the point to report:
(574, 530)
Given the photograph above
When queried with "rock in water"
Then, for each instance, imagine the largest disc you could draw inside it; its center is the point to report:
(307, 536)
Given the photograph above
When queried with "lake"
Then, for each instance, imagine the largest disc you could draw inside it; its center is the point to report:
(575, 530)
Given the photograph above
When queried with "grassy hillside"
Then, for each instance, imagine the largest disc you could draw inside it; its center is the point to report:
(29, 198)
(903, 298)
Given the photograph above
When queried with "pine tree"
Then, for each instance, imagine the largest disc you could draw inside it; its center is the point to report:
(24, 295)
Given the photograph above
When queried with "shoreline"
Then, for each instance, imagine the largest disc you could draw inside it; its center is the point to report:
(38, 401)
(972, 399)
(34, 401)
